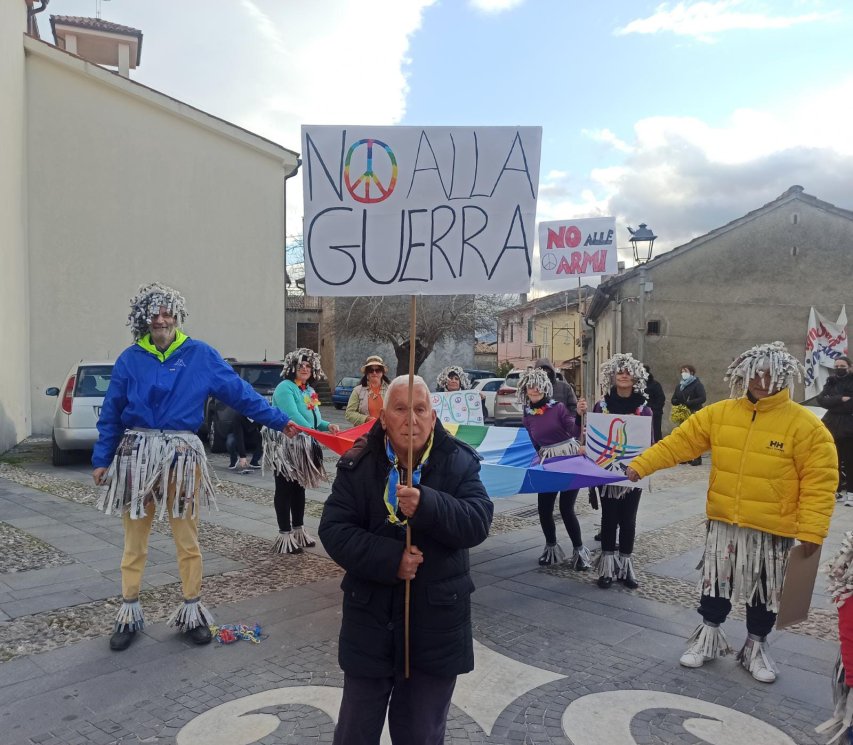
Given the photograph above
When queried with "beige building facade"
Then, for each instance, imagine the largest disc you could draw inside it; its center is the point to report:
(107, 184)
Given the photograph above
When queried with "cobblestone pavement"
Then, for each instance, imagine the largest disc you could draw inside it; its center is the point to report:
(61, 685)
(21, 552)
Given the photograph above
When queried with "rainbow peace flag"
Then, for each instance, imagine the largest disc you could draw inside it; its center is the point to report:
(508, 466)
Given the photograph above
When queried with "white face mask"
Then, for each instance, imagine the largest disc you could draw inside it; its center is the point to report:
(685, 375)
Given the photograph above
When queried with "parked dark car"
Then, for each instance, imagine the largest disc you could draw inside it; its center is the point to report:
(340, 397)
(262, 376)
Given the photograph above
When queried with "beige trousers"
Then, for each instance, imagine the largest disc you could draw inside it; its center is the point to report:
(185, 532)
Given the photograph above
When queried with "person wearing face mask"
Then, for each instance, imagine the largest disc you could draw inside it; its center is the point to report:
(837, 398)
(690, 393)
(773, 474)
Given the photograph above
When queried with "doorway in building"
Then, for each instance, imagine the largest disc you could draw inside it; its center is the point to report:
(308, 335)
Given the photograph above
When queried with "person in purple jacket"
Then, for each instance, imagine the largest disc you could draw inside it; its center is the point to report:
(553, 432)
(149, 459)
(623, 379)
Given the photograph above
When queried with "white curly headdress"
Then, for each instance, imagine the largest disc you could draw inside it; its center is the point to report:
(293, 359)
(773, 360)
(441, 380)
(536, 378)
(146, 303)
(623, 362)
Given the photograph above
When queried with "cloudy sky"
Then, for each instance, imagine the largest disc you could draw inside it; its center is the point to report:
(683, 115)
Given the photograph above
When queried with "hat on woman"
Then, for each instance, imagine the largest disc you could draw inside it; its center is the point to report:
(374, 361)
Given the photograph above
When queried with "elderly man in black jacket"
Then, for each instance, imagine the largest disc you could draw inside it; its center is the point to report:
(363, 528)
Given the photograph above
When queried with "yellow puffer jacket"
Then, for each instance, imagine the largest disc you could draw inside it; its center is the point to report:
(773, 464)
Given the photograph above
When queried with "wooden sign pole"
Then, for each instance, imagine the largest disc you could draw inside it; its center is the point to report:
(413, 315)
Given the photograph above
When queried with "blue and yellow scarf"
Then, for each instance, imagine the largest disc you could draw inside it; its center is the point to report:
(390, 496)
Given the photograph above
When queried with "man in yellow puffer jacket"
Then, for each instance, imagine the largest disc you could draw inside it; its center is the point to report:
(774, 471)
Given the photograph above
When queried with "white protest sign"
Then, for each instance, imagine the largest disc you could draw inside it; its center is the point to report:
(458, 407)
(614, 440)
(577, 248)
(419, 210)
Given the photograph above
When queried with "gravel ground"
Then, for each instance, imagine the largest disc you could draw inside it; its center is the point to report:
(21, 552)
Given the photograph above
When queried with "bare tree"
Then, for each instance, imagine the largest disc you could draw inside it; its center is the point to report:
(439, 317)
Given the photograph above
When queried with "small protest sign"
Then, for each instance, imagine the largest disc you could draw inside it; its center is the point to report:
(614, 440)
(577, 248)
(458, 407)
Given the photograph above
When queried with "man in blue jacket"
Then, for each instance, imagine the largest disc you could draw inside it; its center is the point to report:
(148, 456)
(363, 528)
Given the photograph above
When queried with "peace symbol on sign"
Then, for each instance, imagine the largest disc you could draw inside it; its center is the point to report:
(360, 188)
(549, 261)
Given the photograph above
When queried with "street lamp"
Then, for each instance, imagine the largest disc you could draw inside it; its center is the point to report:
(642, 242)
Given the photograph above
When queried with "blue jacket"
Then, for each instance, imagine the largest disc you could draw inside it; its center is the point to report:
(168, 391)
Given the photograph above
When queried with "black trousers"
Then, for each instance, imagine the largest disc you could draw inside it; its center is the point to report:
(620, 515)
(844, 446)
(289, 500)
(759, 620)
(567, 512)
(417, 714)
(657, 421)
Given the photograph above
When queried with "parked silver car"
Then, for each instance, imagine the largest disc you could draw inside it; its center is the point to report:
(78, 407)
(507, 409)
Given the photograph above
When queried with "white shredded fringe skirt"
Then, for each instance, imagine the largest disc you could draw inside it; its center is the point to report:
(146, 463)
(567, 447)
(298, 459)
(744, 565)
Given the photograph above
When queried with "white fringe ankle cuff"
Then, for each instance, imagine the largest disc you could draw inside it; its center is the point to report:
(710, 640)
(552, 555)
(303, 537)
(752, 649)
(189, 614)
(842, 715)
(607, 565)
(286, 543)
(129, 616)
(582, 556)
(626, 567)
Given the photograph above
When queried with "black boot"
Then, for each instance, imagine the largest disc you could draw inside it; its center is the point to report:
(200, 635)
(121, 640)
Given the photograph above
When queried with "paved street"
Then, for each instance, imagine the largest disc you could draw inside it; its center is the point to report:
(558, 660)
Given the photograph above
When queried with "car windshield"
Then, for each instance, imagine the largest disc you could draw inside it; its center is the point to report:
(260, 376)
(349, 382)
(93, 381)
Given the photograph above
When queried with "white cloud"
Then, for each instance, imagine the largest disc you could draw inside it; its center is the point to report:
(702, 20)
(685, 177)
(495, 6)
(608, 138)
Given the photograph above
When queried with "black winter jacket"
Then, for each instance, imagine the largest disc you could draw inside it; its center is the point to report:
(692, 395)
(657, 398)
(454, 514)
(839, 416)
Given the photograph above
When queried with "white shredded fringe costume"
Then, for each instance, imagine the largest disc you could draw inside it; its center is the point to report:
(773, 480)
(619, 504)
(554, 432)
(840, 586)
(297, 463)
(155, 464)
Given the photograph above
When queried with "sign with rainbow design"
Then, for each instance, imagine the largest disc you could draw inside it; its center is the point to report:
(419, 210)
(614, 440)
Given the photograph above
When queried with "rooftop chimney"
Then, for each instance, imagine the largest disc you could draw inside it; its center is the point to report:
(102, 42)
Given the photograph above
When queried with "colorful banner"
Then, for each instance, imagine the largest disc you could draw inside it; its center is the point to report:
(577, 248)
(509, 464)
(825, 342)
(614, 440)
(459, 407)
(419, 211)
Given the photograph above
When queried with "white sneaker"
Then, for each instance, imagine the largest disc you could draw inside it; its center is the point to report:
(755, 657)
(848, 499)
(694, 657)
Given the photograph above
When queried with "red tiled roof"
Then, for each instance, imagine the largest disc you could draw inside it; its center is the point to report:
(95, 24)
